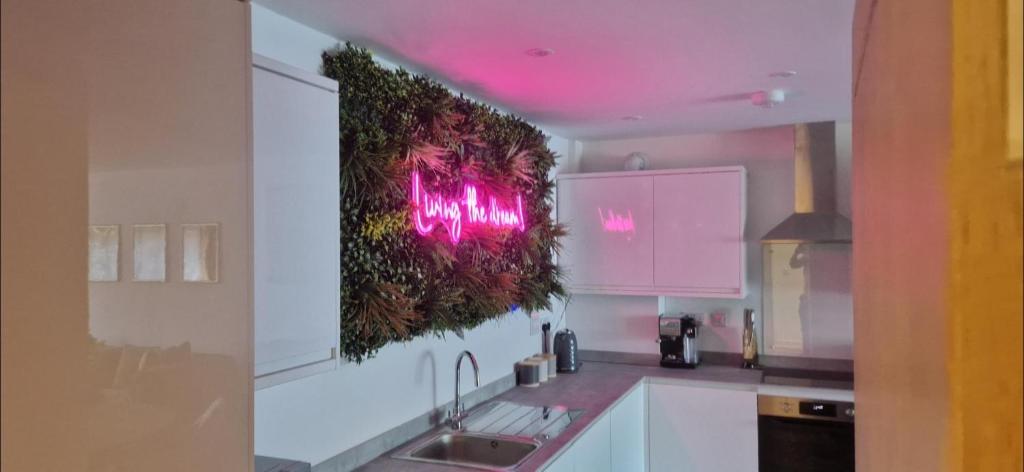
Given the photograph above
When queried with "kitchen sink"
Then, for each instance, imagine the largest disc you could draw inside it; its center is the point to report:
(475, 450)
(496, 436)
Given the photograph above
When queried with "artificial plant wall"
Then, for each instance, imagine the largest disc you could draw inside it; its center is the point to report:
(398, 283)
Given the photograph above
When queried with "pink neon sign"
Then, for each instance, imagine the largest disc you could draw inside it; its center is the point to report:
(617, 223)
(430, 208)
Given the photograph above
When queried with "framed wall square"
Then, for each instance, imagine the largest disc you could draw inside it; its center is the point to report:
(200, 249)
(104, 245)
(150, 252)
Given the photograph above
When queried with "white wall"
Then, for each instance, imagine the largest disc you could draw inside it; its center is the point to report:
(629, 323)
(286, 40)
(317, 417)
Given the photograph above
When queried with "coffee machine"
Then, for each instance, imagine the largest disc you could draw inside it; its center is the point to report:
(678, 336)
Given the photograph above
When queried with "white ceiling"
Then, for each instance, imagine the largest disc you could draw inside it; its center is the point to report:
(683, 65)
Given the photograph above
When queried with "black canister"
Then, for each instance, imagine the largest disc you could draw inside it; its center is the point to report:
(566, 349)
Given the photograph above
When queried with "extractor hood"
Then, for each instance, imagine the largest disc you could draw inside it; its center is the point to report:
(815, 219)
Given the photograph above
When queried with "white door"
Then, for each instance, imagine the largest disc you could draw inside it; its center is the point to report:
(610, 222)
(591, 452)
(701, 429)
(564, 463)
(295, 221)
(629, 432)
(698, 232)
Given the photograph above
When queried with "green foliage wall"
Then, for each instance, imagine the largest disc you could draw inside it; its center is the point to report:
(398, 284)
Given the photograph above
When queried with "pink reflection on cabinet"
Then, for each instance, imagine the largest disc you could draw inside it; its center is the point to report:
(617, 223)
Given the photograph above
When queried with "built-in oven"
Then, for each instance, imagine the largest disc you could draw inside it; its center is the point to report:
(804, 435)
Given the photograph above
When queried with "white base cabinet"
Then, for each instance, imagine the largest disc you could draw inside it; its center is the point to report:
(629, 432)
(669, 428)
(701, 429)
(615, 442)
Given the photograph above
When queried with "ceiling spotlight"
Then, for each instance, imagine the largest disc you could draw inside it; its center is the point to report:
(540, 52)
(632, 118)
(767, 98)
(782, 74)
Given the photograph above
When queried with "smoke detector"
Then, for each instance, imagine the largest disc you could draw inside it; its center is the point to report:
(768, 98)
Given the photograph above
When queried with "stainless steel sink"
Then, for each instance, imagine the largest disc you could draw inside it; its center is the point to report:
(496, 436)
(475, 450)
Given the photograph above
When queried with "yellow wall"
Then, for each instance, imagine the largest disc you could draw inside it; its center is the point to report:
(985, 295)
(1015, 84)
(937, 237)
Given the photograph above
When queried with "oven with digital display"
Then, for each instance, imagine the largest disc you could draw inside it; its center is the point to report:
(804, 435)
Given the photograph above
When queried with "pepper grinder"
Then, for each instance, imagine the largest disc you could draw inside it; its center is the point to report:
(749, 340)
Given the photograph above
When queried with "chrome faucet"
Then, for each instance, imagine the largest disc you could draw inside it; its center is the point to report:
(458, 411)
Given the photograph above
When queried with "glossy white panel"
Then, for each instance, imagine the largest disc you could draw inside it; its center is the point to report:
(808, 304)
(125, 112)
(169, 139)
(698, 231)
(296, 266)
(611, 239)
(44, 391)
(592, 450)
(698, 429)
(629, 431)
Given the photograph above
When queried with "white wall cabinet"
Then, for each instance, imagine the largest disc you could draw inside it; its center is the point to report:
(296, 231)
(674, 232)
(610, 245)
(700, 429)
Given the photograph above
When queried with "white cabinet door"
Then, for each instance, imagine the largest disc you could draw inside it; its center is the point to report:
(295, 222)
(592, 451)
(564, 463)
(674, 232)
(610, 241)
(698, 232)
(701, 429)
(629, 432)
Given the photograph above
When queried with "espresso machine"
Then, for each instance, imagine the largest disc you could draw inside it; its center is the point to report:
(678, 336)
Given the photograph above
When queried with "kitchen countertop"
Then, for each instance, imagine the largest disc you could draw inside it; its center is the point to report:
(596, 388)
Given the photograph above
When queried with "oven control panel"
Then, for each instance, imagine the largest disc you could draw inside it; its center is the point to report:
(789, 407)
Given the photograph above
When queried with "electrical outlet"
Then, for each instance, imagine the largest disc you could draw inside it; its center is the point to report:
(718, 319)
(534, 324)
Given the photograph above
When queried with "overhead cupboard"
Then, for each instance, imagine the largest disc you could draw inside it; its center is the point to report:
(671, 232)
(296, 255)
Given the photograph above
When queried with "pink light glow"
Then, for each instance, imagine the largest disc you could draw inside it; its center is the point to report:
(432, 208)
(617, 223)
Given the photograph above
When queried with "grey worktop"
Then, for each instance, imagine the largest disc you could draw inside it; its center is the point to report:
(595, 389)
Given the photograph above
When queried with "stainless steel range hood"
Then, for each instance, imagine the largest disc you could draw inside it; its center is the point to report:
(815, 218)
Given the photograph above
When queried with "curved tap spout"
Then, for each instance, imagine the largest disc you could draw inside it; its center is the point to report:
(456, 415)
